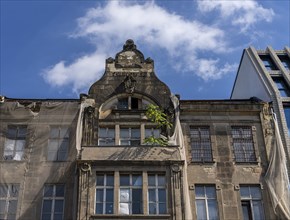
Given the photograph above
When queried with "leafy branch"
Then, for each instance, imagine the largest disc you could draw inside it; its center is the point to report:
(156, 115)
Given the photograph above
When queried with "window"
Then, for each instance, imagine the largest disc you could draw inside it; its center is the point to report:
(105, 194)
(287, 116)
(268, 62)
(206, 202)
(8, 201)
(53, 202)
(152, 132)
(15, 142)
(200, 144)
(285, 61)
(106, 136)
(282, 87)
(156, 194)
(129, 103)
(251, 200)
(130, 136)
(243, 144)
(58, 144)
(131, 194)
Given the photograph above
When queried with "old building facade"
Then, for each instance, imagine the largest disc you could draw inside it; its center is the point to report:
(87, 158)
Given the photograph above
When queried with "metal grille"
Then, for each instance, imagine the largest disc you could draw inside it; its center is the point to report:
(243, 144)
(200, 144)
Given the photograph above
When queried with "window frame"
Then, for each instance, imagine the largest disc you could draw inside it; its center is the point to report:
(111, 139)
(268, 62)
(130, 139)
(105, 187)
(200, 142)
(14, 135)
(285, 60)
(157, 188)
(8, 198)
(53, 198)
(249, 200)
(131, 189)
(206, 200)
(281, 86)
(57, 152)
(241, 143)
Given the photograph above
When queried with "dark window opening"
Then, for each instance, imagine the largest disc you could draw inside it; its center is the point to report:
(134, 103)
(268, 62)
(246, 207)
(285, 61)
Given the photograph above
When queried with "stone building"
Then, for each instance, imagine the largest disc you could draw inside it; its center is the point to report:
(87, 158)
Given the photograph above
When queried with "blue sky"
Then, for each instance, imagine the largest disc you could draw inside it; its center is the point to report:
(57, 49)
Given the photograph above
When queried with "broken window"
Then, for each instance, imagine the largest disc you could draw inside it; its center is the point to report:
(58, 144)
(53, 202)
(206, 202)
(243, 144)
(201, 150)
(131, 194)
(105, 194)
(157, 193)
(251, 201)
(8, 201)
(15, 142)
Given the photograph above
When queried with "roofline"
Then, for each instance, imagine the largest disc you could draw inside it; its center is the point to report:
(238, 72)
(39, 100)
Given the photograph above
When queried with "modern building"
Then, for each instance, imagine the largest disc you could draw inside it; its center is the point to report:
(265, 74)
(87, 158)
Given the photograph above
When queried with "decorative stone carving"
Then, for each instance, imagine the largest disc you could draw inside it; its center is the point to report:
(130, 84)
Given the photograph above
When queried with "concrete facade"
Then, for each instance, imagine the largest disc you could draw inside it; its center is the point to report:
(113, 174)
(260, 70)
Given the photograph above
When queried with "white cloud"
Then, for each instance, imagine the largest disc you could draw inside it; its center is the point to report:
(244, 13)
(109, 25)
(81, 73)
(210, 69)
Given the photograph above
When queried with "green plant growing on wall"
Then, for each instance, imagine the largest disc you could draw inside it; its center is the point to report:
(156, 115)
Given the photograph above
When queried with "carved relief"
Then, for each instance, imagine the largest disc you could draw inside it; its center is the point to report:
(129, 84)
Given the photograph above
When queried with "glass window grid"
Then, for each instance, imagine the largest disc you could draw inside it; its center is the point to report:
(201, 150)
(268, 62)
(53, 196)
(8, 201)
(158, 205)
(254, 199)
(282, 87)
(152, 132)
(131, 187)
(130, 136)
(203, 195)
(15, 142)
(106, 136)
(58, 144)
(285, 60)
(243, 144)
(104, 186)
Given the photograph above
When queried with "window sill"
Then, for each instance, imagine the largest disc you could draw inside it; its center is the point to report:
(135, 216)
(202, 162)
(256, 163)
